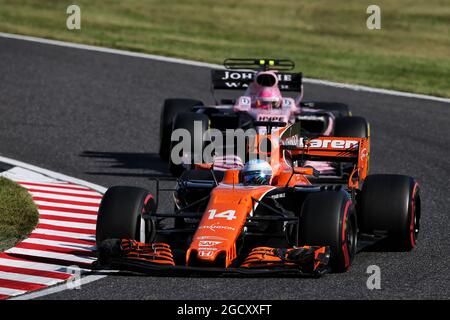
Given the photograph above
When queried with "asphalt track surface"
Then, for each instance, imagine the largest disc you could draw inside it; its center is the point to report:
(95, 116)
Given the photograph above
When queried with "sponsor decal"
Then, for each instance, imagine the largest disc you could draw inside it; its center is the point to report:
(321, 143)
(210, 237)
(311, 117)
(236, 85)
(234, 75)
(277, 196)
(287, 102)
(237, 75)
(291, 141)
(205, 253)
(215, 227)
(245, 101)
(205, 243)
(364, 153)
(207, 249)
(268, 117)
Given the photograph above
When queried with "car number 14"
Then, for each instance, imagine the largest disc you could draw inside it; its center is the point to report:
(227, 214)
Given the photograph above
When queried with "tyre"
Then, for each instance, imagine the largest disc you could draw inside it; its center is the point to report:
(119, 215)
(338, 109)
(170, 109)
(354, 127)
(186, 120)
(328, 218)
(391, 203)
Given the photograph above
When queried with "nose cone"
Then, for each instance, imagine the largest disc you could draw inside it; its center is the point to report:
(222, 224)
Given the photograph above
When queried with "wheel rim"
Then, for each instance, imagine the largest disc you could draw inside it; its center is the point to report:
(350, 237)
(414, 226)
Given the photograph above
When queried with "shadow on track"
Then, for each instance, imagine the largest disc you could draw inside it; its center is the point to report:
(127, 164)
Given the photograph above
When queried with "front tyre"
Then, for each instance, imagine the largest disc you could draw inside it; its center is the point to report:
(328, 218)
(120, 215)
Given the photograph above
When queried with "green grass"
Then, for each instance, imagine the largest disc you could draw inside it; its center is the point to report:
(18, 213)
(327, 39)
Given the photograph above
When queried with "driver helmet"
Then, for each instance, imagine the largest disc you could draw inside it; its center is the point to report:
(256, 172)
(267, 99)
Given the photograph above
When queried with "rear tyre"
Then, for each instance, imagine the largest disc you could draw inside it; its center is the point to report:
(187, 121)
(391, 203)
(328, 218)
(170, 109)
(354, 127)
(120, 212)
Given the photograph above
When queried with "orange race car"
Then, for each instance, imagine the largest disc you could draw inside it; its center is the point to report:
(274, 215)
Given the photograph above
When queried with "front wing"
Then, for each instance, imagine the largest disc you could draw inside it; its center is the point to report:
(157, 259)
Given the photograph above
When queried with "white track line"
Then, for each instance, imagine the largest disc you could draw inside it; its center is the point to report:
(64, 234)
(215, 66)
(61, 244)
(93, 208)
(35, 265)
(52, 174)
(55, 189)
(68, 214)
(60, 186)
(11, 292)
(60, 197)
(68, 224)
(51, 255)
(29, 278)
(59, 288)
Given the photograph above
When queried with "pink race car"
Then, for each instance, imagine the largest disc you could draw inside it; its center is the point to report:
(262, 107)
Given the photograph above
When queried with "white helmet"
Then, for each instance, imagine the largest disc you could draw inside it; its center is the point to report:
(256, 172)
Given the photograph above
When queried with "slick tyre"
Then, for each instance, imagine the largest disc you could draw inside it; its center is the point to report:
(354, 127)
(391, 203)
(120, 215)
(170, 109)
(328, 218)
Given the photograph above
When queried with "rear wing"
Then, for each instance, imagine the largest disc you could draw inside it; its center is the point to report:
(333, 149)
(238, 79)
(239, 73)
